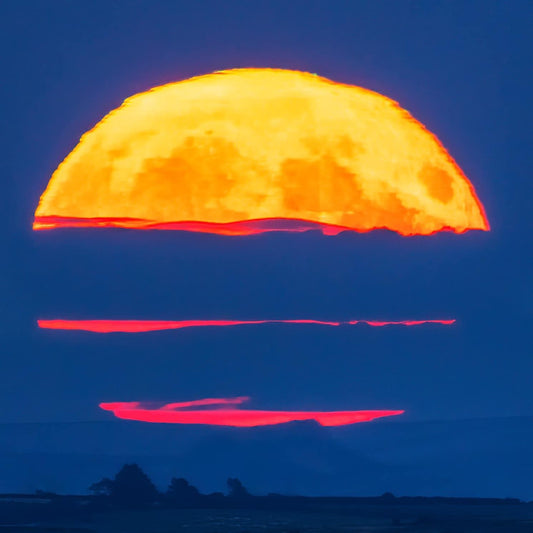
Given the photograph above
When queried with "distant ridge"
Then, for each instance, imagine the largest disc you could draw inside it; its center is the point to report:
(488, 457)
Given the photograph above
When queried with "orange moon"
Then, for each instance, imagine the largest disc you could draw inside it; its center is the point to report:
(231, 151)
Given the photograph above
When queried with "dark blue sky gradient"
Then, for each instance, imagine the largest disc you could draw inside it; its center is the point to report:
(461, 68)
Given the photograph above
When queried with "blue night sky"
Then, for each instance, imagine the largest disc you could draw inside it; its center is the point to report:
(461, 68)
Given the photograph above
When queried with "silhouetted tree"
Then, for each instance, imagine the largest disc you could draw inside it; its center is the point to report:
(132, 487)
(102, 487)
(236, 489)
(181, 492)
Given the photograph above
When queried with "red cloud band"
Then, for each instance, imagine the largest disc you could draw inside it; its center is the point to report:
(137, 326)
(193, 412)
(243, 227)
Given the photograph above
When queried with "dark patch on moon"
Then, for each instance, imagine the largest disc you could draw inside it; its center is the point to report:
(438, 183)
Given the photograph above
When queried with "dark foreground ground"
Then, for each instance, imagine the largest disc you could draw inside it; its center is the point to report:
(321, 515)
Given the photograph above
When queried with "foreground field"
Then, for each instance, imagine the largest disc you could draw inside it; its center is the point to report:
(311, 517)
(252, 521)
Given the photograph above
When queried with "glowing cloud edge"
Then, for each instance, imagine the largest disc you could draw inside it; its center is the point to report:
(238, 228)
(142, 326)
(193, 413)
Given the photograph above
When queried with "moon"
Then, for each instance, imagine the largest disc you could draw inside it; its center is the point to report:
(250, 150)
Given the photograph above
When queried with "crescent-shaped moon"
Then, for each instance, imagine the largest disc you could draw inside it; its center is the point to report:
(250, 150)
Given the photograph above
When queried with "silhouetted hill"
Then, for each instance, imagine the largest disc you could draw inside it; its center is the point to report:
(482, 457)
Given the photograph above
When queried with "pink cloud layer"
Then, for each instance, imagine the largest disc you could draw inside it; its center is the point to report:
(138, 326)
(195, 412)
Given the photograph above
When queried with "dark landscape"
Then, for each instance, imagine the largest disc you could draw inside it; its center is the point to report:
(484, 457)
(58, 477)
(274, 513)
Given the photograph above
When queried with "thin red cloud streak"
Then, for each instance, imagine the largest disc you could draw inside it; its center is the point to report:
(193, 412)
(239, 228)
(138, 326)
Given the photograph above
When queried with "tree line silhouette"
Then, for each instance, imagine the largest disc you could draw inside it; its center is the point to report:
(131, 487)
